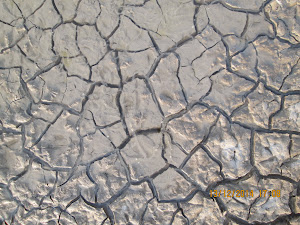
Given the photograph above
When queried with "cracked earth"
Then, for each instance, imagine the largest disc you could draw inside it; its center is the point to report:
(134, 111)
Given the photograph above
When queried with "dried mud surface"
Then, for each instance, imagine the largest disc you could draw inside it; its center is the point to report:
(133, 111)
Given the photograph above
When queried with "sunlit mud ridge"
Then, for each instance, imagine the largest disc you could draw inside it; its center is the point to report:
(149, 112)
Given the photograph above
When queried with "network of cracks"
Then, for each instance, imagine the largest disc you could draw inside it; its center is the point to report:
(149, 112)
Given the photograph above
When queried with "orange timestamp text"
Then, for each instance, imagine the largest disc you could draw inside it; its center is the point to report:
(243, 193)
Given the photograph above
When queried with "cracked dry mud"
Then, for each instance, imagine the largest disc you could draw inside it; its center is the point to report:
(135, 111)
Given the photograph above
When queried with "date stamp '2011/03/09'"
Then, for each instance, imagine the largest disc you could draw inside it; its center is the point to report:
(243, 193)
